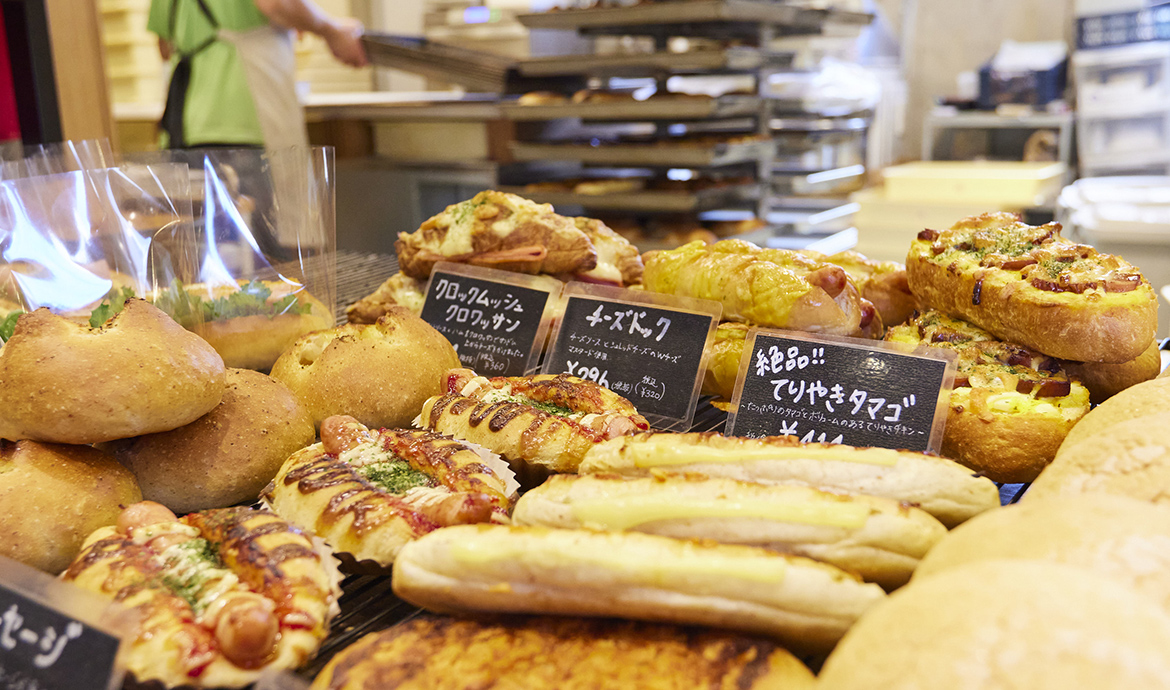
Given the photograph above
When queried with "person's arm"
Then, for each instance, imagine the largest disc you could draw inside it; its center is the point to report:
(342, 35)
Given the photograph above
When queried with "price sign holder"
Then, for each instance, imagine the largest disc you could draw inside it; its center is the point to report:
(841, 390)
(55, 635)
(647, 347)
(496, 320)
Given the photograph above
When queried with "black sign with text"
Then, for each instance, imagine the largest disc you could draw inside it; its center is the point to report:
(858, 395)
(42, 649)
(494, 325)
(650, 355)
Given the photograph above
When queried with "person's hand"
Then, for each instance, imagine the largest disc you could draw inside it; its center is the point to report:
(344, 38)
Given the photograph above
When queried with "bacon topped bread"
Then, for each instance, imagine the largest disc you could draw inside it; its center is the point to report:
(540, 424)
(774, 288)
(367, 493)
(497, 230)
(1028, 285)
(221, 596)
(1010, 408)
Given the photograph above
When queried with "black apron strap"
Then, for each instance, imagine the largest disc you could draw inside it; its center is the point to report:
(172, 117)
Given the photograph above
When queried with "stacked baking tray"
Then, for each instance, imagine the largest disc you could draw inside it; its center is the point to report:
(474, 69)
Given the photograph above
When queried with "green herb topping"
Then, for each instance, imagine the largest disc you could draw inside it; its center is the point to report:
(8, 325)
(112, 305)
(250, 300)
(394, 476)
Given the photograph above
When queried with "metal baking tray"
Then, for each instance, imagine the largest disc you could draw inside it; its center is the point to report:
(649, 109)
(651, 16)
(644, 155)
(474, 69)
(648, 201)
(640, 64)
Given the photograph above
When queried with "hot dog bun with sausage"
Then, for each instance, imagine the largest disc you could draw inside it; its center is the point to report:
(220, 596)
(1028, 285)
(941, 487)
(490, 568)
(880, 539)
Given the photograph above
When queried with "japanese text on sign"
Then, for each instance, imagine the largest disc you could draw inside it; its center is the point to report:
(839, 393)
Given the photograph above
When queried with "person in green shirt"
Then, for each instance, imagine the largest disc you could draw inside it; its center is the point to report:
(234, 78)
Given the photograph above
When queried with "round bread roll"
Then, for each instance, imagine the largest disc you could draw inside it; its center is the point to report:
(1130, 458)
(1136, 401)
(380, 374)
(140, 373)
(1123, 539)
(52, 496)
(254, 342)
(1006, 624)
(227, 455)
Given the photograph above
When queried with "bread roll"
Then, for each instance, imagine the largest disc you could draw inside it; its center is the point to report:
(1106, 380)
(1140, 400)
(1130, 458)
(878, 538)
(480, 568)
(546, 653)
(52, 496)
(227, 455)
(380, 374)
(941, 487)
(140, 373)
(1004, 624)
(1120, 538)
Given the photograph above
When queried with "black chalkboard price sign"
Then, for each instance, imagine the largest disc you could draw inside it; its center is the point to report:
(496, 320)
(860, 393)
(47, 637)
(646, 347)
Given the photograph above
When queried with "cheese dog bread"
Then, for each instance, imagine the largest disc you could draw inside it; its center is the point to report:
(767, 287)
(806, 605)
(539, 424)
(881, 282)
(724, 352)
(221, 596)
(1028, 285)
(941, 487)
(1010, 408)
(367, 493)
(560, 653)
(880, 539)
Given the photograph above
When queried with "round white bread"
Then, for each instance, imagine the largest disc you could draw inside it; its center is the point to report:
(140, 373)
(1130, 458)
(226, 456)
(380, 374)
(1006, 624)
(804, 604)
(941, 487)
(1137, 401)
(52, 496)
(1120, 538)
(878, 538)
(254, 342)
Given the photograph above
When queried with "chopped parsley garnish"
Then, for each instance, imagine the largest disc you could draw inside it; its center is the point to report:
(112, 305)
(187, 571)
(551, 408)
(394, 476)
(8, 325)
(250, 300)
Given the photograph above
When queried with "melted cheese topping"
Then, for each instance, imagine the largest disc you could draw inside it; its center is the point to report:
(622, 513)
(664, 455)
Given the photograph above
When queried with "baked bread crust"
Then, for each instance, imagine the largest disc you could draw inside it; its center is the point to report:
(767, 287)
(399, 290)
(1010, 409)
(140, 373)
(1099, 308)
(804, 604)
(941, 487)
(1105, 380)
(880, 539)
(882, 282)
(323, 488)
(547, 653)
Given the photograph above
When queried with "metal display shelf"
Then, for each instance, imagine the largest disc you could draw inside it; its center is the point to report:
(690, 17)
(649, 201)
(630, 110)
(643, 155)
(638, 64)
